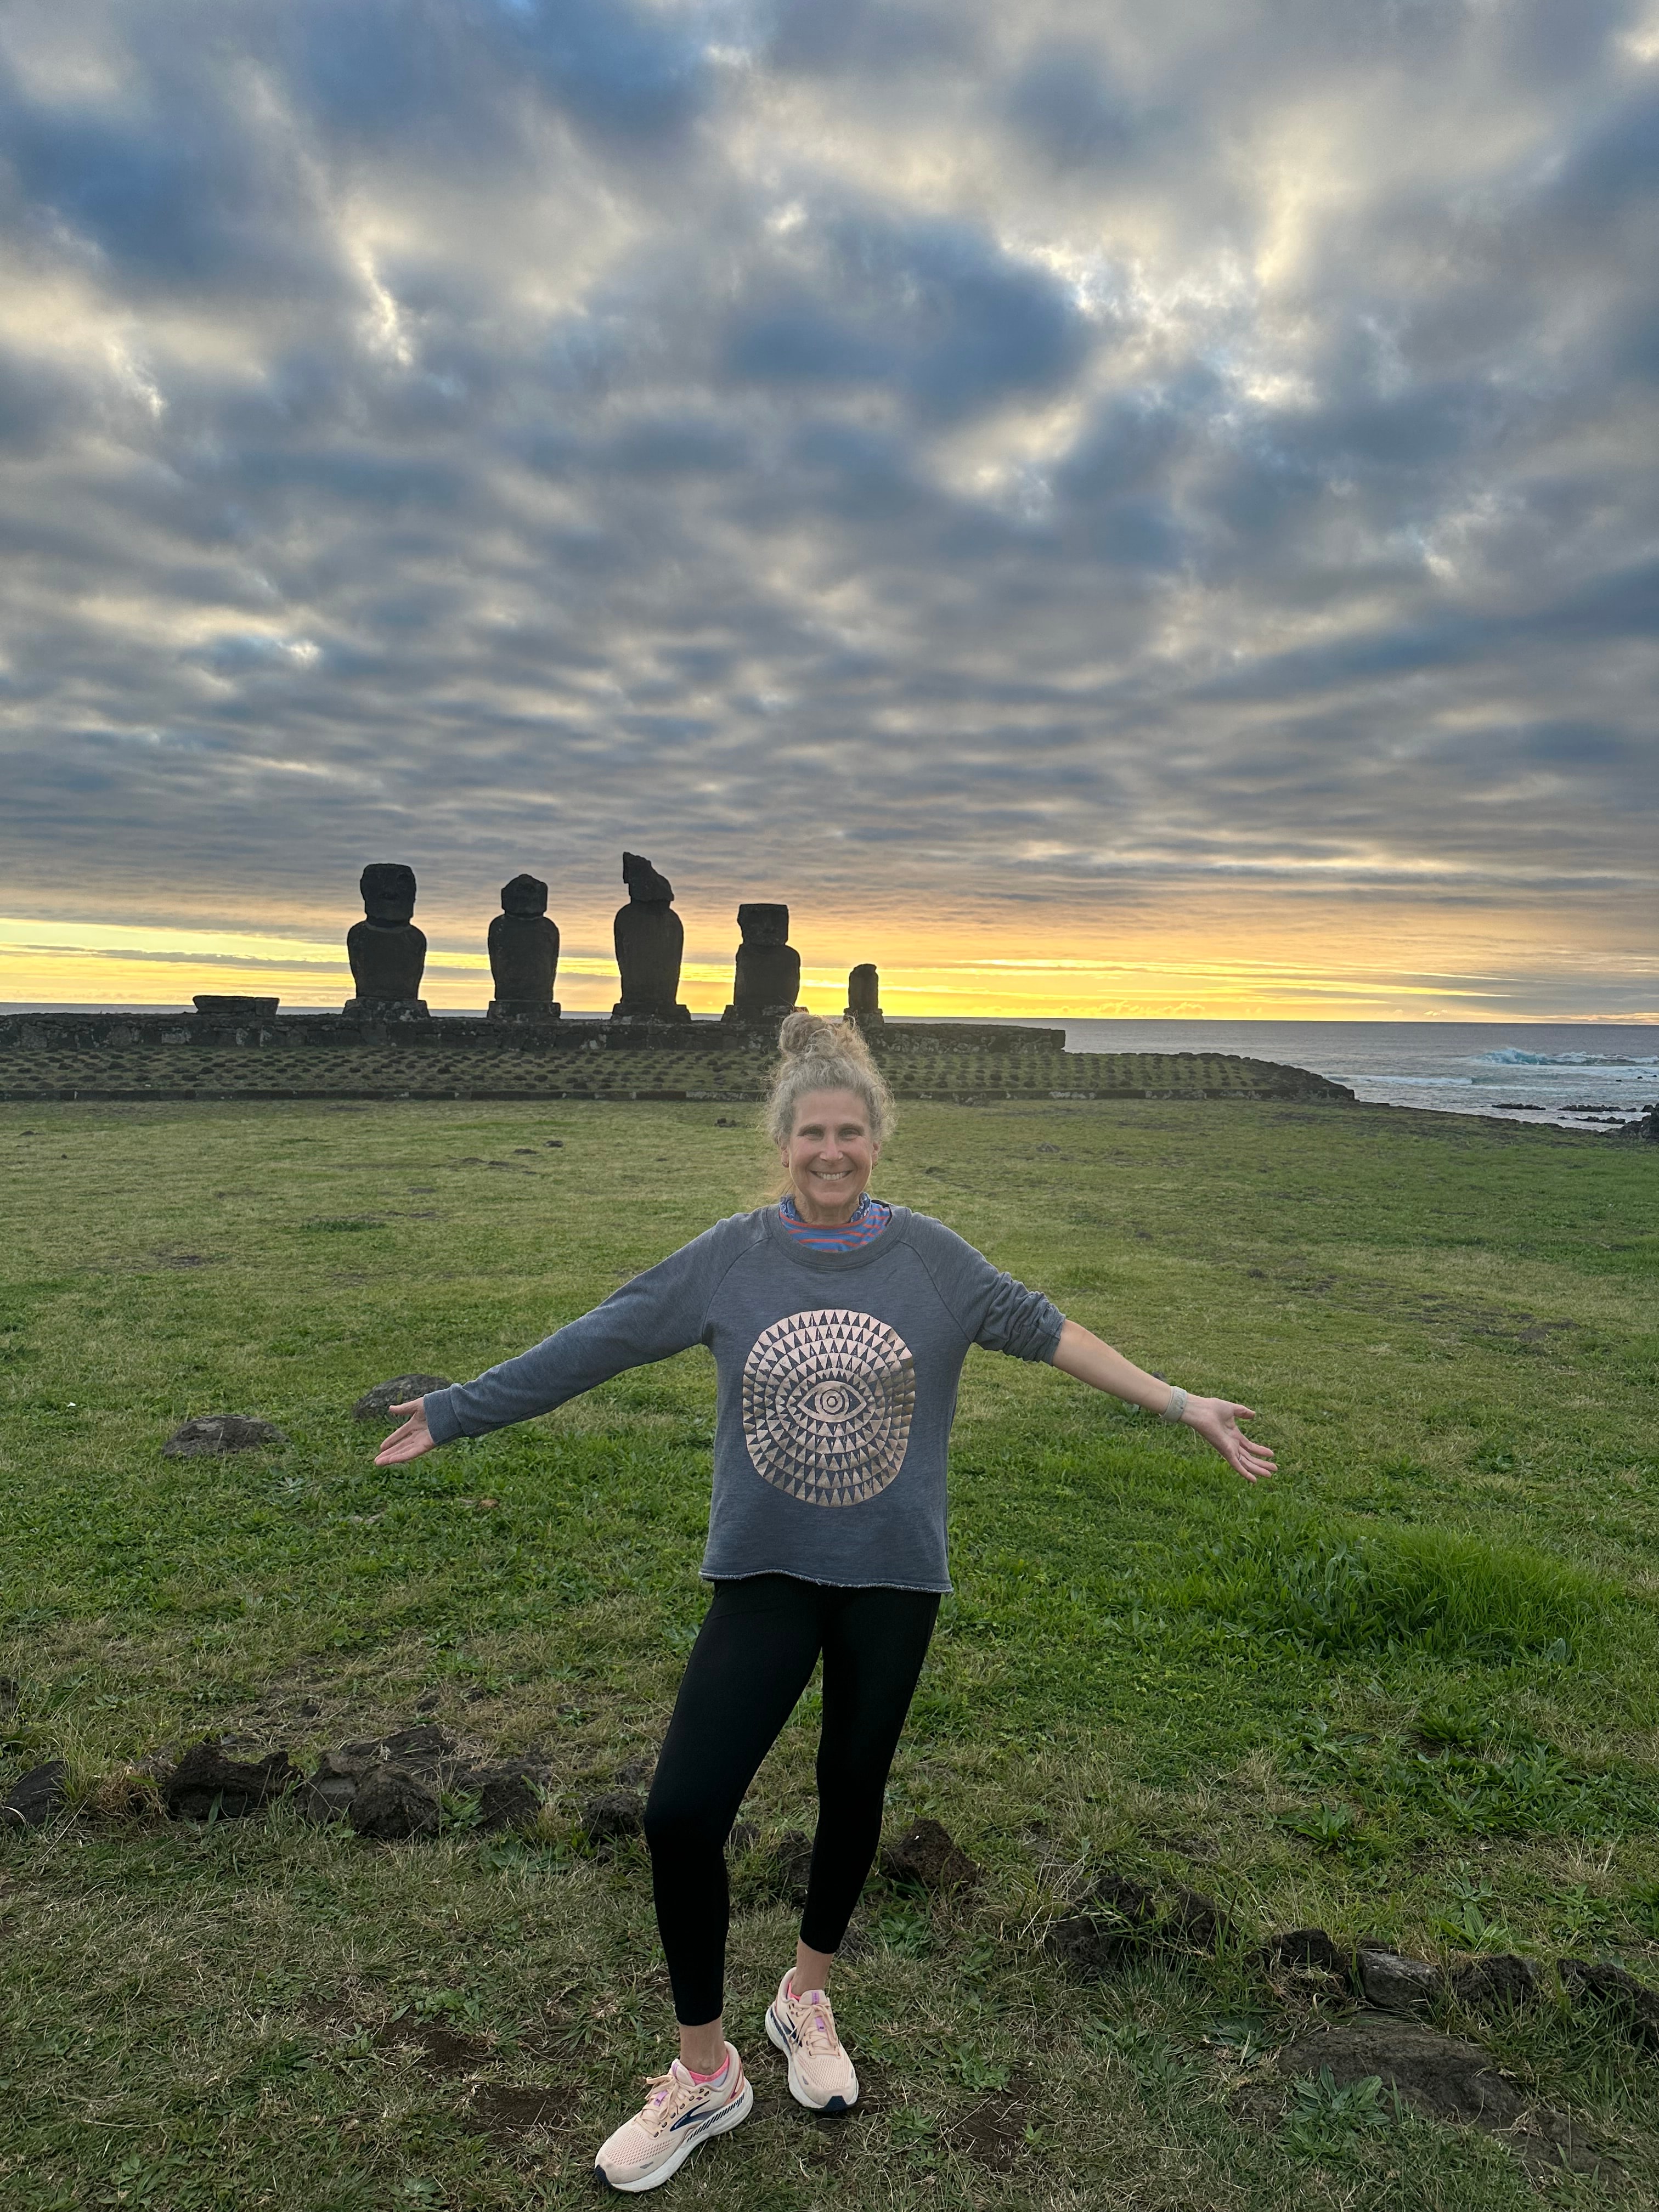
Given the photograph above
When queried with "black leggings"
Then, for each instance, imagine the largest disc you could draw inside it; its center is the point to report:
(753, 1658)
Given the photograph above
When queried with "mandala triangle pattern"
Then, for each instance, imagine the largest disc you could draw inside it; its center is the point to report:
(827, 1399)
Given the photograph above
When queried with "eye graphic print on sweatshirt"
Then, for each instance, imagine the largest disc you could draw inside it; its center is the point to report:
(827, 1399)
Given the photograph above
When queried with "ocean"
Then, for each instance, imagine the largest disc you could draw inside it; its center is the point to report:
(1580, 1075)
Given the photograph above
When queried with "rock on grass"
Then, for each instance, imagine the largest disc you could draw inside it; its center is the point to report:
(613, 1817)
(1490, 1985)
(1396, 1983)
(507, 1799)
(1123, 1920)
(927, 1854)
(376, 1405)
(220, 1432)
(1095, 1950)
(1309, 1953)
(391, 1807)
(1441, 2079)
(36, 1798)
(206, 1785)
(422, 1749)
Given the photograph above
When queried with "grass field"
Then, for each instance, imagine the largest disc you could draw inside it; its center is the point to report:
(1408, 1695)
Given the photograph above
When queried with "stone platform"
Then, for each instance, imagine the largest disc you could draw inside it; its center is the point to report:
(136, 1055)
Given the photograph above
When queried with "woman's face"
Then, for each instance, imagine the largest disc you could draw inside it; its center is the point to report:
(830, 1154)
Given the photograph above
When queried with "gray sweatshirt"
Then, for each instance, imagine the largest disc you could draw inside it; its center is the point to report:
(837, 1375)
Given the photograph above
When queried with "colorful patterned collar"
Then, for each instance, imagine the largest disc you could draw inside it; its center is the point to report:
(870, 1216)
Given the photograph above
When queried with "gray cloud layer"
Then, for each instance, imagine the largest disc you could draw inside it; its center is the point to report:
(1061, 451)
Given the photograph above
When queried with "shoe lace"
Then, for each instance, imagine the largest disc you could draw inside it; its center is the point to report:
(817, 2027)
(668, 2092)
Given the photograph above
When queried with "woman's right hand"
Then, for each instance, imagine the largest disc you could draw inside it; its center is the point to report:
(410, 1441)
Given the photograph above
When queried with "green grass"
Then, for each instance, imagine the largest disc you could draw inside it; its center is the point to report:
(1406, 1693)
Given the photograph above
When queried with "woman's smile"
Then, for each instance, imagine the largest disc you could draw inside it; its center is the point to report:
(830, 1155)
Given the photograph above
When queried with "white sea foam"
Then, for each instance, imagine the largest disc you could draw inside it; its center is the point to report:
(1511, 1055)
(1556, 1072)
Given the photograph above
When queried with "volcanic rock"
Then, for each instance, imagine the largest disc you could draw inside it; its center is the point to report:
(613, 1817)
(422, 1749)
(508, 1798)
(1198, 1920)
(1094, 1950)
(36, 1798)
(1440, 2078)
(391, 1807)
(206, 1785)
(1123, 1920)
(1491, 1984)
(926, 1853)
(220, 1432)
(1312, 1960)
(376, 1405)
(1396, 1984)
(328, 1791)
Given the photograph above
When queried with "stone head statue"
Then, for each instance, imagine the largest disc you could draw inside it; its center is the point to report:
(767, 980)
(386, 951)
(524, 952)
(645, 886)
(650, 939)
(764, 925)
(864, 990)
(388, 892)
(524, 895)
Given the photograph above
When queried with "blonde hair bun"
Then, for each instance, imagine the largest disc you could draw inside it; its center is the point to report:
(819, 1054)
(813, 1036)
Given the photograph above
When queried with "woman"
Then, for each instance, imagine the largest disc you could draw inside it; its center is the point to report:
(839, 1326)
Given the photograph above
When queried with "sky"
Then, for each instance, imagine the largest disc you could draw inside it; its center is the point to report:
(1103, 509)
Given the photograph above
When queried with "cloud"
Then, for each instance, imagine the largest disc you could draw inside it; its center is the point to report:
(947, 457)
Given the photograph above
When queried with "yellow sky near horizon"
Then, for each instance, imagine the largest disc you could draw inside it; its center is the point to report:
(1217, 959)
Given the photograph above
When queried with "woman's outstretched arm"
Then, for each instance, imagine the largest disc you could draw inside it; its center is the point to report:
(1215, 1420)
(656, 1315)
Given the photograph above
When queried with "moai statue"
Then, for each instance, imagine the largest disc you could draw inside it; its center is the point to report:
(524, 954)
(386, 951)
(768, 981)
(650, 939)
(864, 996)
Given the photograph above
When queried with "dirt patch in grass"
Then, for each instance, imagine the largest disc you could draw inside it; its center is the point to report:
(439, 2048)
(504, 2111)
(993, 2132)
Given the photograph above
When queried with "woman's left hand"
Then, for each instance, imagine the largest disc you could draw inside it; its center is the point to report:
(1217, 1419)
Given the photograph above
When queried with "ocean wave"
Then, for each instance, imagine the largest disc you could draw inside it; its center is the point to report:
(1510, 1055)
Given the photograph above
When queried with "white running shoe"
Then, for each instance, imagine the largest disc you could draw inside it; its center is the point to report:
(821, 2075)
(677, 2115)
